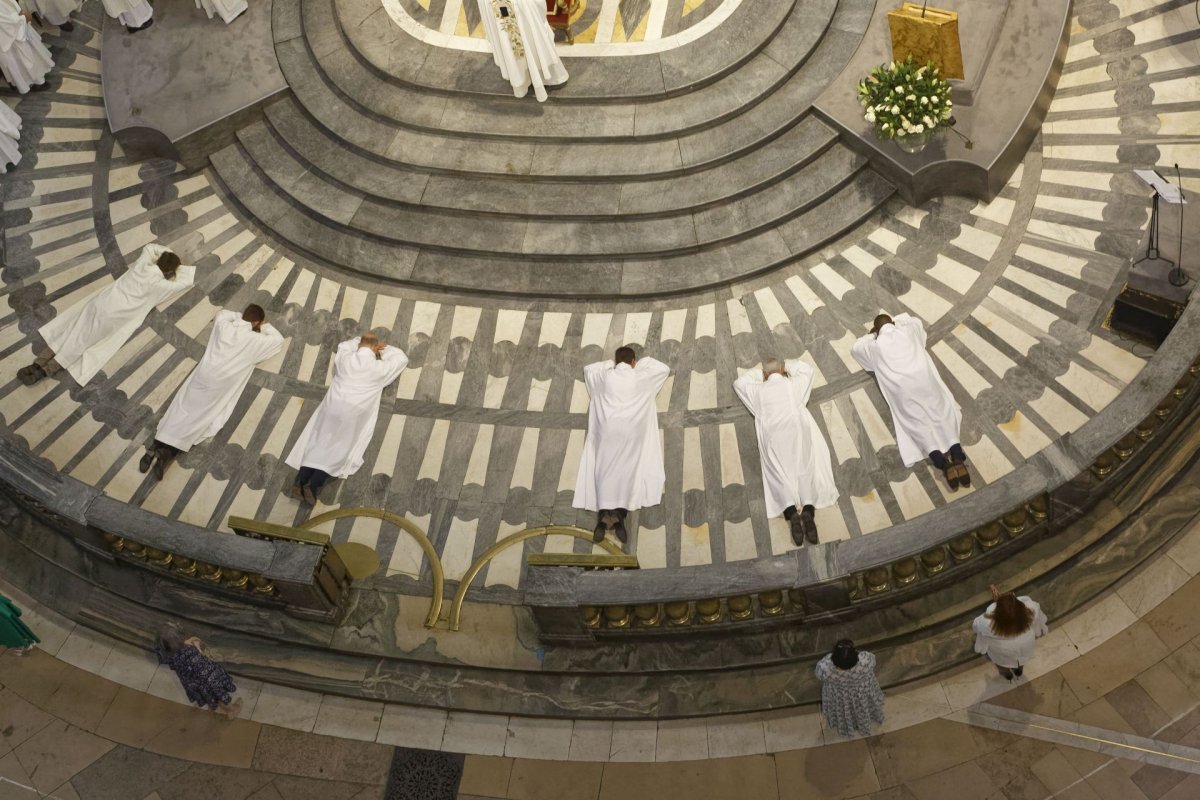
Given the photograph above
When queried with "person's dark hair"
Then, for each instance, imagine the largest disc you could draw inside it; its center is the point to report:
(170, 640)
(254, 313)
(168, 262)
(880, 321)
(625, 355)
(1011, 617)
(844, 655)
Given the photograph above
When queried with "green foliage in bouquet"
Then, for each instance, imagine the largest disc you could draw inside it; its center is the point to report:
(901, 99)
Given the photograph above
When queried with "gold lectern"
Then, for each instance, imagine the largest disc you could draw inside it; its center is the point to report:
(927, 34)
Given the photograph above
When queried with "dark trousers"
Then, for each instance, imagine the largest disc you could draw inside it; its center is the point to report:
(164, 450)
(956, 455)
(313, 478)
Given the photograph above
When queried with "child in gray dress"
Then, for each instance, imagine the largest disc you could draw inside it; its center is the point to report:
(850, 695)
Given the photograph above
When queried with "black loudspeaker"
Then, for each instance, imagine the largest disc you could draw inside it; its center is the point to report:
(1148, 306)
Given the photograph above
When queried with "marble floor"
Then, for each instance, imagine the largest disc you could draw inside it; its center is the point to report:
(481, 436)
(667, 23)
(1109, 710)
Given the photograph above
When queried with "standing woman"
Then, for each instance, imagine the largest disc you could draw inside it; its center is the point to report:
(14, 634)
(850, 695)
(1006, 631)
(207, 683)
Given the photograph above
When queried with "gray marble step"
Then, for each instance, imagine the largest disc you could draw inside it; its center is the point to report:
(401, 59)
(566, 160)
(613, 120)
(516, 235)
(313, 230)
(532, 197)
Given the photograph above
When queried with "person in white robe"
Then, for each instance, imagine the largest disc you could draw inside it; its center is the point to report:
(83, 338)
(926, 418)
(227, 10)
(336, 436)
(796, 468)
(10, 138)
(24, 60)
(55, 12)
(238, 343)
(524, 48)
(621, 467)
(135, 15)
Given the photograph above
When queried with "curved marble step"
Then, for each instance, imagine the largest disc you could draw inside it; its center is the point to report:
(534, 197)
(546, 236)
(614, 120)
(613, 161)
(402, 59)
(311, 231)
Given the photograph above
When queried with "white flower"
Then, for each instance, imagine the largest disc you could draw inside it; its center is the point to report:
(917, 129)
(921, 72)
(934, 100)
(895, 109)
(924, 101)
(927, 121)
(870, 115)
(912, 98)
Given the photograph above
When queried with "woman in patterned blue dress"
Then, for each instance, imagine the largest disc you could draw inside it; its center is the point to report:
(850, 695)
(207, 683)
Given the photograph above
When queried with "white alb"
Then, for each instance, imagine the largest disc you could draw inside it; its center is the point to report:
(338, 432)
(924, 412)
(88, 333)
(24, 60)
(205, 401)
(539, 65)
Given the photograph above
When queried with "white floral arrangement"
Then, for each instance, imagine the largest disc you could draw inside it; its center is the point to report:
(902, 99)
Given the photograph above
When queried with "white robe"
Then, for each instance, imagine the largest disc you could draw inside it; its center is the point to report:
(228, 10)
(622, 461)
(796, 468)
(924, 412)
(131, 13)
(88, 333)
(56, 12)
(541, 65)
(206, 400)
(24, 60)
(10, 137)
(338, 433)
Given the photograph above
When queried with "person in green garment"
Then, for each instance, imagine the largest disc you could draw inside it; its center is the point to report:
(14, 634)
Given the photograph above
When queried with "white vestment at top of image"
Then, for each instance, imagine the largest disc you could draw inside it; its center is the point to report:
(538, 63)
(338, 432)
(924, 412)
(24, 60)
(622, 461)
(89, 333)
(227, 10)
(205, 402)
(796, 467)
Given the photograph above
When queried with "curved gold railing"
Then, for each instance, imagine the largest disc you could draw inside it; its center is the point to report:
(435, 563)
(473, 571)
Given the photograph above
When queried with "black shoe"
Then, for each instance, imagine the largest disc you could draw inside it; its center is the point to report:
(1007, 674)
(67, 27)
(951, 473)
(796, 526)
(809, 523)
(598, 532)
(622, 534)
(141, 28)
(1019, 671)
(964, 477)
(144, 464)
(33, 374)
(310, 496)
(160, 465)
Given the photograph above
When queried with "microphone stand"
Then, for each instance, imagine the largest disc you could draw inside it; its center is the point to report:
(1177, 277)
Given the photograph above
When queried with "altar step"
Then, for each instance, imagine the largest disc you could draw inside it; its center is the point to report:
(614, 119)
(400, 58)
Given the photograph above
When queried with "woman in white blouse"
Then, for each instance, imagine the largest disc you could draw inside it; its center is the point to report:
(1006, 631)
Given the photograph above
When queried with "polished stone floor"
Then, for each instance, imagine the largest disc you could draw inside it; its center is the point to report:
(1109, 710)
(481, 436)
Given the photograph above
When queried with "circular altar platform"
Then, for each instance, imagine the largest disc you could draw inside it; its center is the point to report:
(696, 208)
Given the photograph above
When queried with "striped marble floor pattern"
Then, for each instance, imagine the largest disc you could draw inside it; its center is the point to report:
(480, 437)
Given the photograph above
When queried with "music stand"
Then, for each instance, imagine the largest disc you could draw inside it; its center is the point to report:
(1165, 191)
